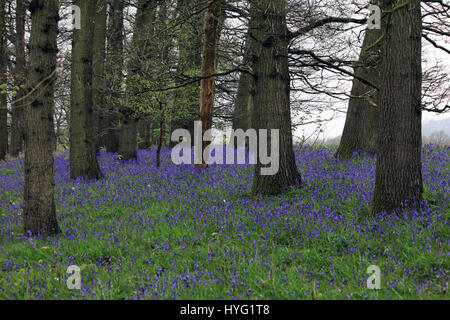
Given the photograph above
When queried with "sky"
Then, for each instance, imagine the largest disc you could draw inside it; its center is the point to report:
(335, 127)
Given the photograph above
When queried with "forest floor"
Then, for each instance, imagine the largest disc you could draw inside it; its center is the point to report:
(143, 232)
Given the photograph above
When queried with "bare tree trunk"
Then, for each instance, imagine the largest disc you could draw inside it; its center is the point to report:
(209, 58)
(360, 130)
(399, 165)
(3, 81)
(115, 72)
(83, 145)
(19, 81)
(145, 130)
(98, 66)
(245, 93)
(271, 109)
(160, 139)
(128, 137)
(39, 205)
(141, 54)
(146, 52)
(246, 87)
(189, 61)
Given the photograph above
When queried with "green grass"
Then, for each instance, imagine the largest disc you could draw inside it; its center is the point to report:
(247, 259)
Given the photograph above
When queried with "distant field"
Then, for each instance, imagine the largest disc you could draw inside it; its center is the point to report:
(172, 233)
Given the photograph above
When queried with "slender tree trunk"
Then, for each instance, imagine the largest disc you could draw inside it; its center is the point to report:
(209, 58)
(271, 109)
(83, 146)
(128, 138)
(98, 66)
(146, 50)
(115, 73)
(141, 51)
(360, 130)
(189, 62)
(160, 139)
(399, 167)
(39, 204)
(145, 130)
(246, 87)
(3, 81)
(19, 81)
(245, 93)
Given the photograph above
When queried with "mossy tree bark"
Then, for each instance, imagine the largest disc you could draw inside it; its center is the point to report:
(398, 181)
(19, 81)
(83, 143)
(39, 205)
(360, 130)
(271, 109)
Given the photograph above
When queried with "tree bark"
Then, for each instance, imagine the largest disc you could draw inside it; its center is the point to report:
(98, 66)
(147, 52)
(160, 139)
(141, 54)
(189, 62)
(115, 74)
(39, 205)
(398, 181)
(271, 109)
(128, 138)
(209, 58)
(246, 86)
(360, 130)
(145, 131)
(19, 81)
(3, 81)
(83, 145)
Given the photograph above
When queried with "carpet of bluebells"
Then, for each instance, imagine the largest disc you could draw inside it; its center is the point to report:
(144, 232)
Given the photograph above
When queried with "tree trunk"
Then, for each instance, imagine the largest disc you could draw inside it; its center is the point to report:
(246, 87)
(271, 109)
(128, 138)
(145, 130)
(39, 205)
(245, 93)
(19, 81)
(399, 167)
(115, 74)
(189, 62)
(141, 54)
(160, 139)
(98, 66)
(3, 81)
(147, 52)
(83, 146)
(209, 58)
(360, 130)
